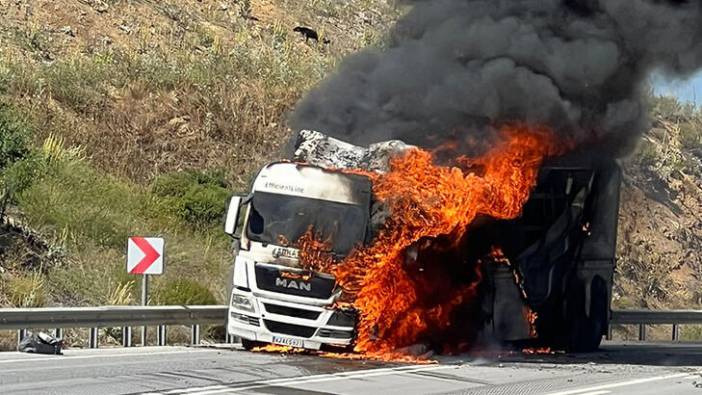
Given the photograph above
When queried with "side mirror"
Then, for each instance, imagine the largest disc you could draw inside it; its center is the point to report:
(232, 219)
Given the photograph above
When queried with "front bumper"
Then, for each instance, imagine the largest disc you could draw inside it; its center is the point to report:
(308, 325)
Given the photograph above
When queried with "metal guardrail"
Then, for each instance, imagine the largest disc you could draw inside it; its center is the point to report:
(126, 317)
(111, 317)
(642, 318)
(654, 317)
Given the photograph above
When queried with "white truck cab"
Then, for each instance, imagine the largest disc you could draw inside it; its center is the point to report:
(274, 300)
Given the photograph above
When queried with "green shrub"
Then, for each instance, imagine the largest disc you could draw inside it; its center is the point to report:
(17, 169)
(75, 199)
(14, 137)
(690, 135)
(183, 292)
(669, 108)
(20, 175)
(197, 197)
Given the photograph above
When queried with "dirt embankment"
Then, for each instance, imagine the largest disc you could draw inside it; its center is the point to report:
(660, 229)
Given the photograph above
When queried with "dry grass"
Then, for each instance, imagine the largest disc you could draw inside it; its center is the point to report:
(120, 92)
(181, 84)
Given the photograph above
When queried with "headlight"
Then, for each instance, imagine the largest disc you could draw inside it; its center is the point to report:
(242, 302)
(343, 318)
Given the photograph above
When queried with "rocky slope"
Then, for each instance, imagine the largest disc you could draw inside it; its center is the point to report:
(660, 229)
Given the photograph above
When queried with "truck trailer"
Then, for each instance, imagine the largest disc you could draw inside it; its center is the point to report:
(555, 292)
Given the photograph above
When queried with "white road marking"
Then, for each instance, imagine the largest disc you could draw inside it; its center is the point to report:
(596, 393)
(219, 389)
(74, 357)
(584, 391)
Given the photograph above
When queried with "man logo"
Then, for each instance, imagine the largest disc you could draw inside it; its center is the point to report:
(285, 283)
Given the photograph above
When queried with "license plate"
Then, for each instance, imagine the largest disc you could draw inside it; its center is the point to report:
(287, 341)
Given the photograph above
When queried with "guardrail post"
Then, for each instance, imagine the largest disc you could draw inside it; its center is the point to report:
(21, 334)
(676, 333)
(642, 332)
(195, 335)
(93, 341)
(127, 336)
(161, 335)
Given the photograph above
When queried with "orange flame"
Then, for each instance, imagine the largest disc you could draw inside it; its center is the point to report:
(400, 304)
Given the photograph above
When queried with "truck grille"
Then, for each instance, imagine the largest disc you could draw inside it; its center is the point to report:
(291, 312)
(336, 334)
(289, 329)
(246, 319)
(271, 279)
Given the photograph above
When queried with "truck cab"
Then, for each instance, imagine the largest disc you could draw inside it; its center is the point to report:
(272, 299)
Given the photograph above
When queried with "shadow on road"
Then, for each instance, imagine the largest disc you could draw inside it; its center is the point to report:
(653, 354)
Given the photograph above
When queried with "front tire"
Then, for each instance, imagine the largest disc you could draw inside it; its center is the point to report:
(249, 345)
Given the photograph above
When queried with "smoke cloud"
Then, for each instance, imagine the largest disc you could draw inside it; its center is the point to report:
(454, 67)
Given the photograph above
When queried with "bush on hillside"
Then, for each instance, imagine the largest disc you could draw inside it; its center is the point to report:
(184, 292)
(14, 138)
(197, 197)
(17, 165)
(671, 109)
(691, 135)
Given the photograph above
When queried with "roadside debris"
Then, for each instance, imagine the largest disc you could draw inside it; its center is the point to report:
(41, 343)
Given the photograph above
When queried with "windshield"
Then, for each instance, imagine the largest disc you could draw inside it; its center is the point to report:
(274, 215)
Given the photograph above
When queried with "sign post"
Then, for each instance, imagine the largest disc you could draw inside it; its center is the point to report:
(144, 302)
(145, 257)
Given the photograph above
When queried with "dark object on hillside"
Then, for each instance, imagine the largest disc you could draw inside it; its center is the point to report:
(41, 343)
(308, 33)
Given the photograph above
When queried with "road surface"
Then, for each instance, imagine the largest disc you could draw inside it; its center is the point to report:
(618, 369)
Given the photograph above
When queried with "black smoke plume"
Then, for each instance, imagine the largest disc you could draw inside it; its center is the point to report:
(453, 67)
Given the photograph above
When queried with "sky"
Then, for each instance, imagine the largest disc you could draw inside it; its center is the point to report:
(685, 90)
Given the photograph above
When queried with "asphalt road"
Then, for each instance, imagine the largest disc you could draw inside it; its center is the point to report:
(618, 369)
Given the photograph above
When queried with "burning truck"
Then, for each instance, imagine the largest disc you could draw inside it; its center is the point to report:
(389, 247)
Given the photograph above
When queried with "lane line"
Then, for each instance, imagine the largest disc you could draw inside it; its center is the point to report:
(583, 391)
(219, 386)
(326, 376)
(301, 381)
(219, 389)
(53, 358)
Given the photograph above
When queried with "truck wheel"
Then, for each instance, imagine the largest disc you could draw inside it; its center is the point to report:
(338, 349)
(251, 344)
(586, 331)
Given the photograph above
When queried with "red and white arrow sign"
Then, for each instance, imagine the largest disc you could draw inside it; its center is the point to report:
(145, 255)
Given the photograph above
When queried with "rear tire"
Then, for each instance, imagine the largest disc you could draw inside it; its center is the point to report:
(585, 332)
(249, 345)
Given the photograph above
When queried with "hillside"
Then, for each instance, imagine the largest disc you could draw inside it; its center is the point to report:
(120, 117)
(660, 228)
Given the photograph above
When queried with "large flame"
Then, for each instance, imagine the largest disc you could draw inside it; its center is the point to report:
(404, 283)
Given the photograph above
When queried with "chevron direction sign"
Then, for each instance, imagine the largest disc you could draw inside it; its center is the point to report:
(145, 255)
